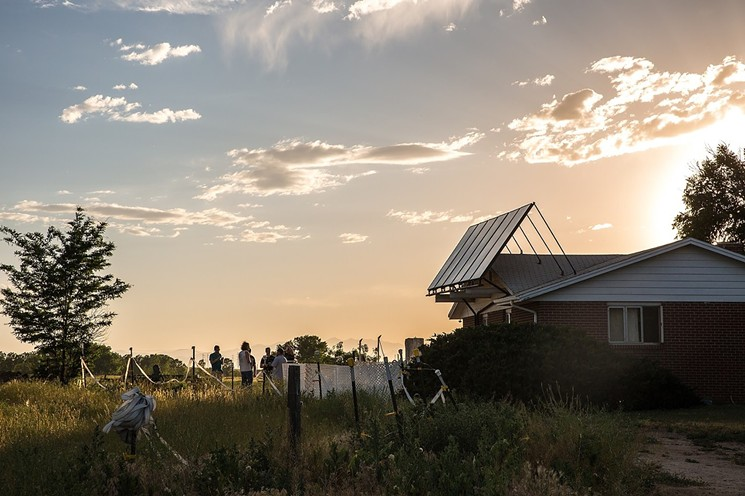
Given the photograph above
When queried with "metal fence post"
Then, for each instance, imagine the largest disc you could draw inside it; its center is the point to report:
(294, 405)
(194, 364)
(320, 386)
(350, 362)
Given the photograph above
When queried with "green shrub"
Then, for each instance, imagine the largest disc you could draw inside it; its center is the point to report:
(520, 361)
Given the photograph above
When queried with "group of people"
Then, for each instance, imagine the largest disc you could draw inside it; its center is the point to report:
(270, 364)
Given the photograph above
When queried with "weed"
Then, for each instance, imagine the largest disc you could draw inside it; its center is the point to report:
(235, 442)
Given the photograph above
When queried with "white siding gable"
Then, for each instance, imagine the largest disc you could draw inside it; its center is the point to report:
(688, 273)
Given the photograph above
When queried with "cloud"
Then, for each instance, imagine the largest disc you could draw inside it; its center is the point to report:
(431, 217)
(153, 55)
(268, 235)
(122, 87)
(174, 216)
(119, 109)
(352, 238)
(646, 109)
(517, 7)
(596, 227)
(546, 80)
(378, 21)
(80, 87)
(540, 22)
(147, 222)
(600, 227)
(202, 7)
(23, 218)
(269, 31)
(296, 167)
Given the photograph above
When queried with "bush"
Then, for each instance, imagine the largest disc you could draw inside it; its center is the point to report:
(522, 361)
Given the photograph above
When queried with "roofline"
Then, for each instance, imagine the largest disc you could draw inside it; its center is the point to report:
(625, 261)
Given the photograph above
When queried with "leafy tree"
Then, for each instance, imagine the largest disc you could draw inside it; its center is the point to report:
(168, 365)
(310, 348)
(102, 360)
(339, 355)
(57, 299)
(20, 363)
(714, 198)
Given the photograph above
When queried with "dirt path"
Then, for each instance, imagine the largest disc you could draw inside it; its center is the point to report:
(721, 468)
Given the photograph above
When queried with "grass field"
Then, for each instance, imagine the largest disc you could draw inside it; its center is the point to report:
(235, 442)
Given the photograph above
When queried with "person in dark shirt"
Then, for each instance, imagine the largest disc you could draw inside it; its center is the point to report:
(216, 362)
(266, 361)
(156, 375)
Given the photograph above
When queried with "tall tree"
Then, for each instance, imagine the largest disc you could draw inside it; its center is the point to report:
(57, 298)
(714, 198)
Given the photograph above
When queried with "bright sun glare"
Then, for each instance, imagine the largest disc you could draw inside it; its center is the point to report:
(692, 149)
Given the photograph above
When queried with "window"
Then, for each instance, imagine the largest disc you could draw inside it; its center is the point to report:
(635, 324)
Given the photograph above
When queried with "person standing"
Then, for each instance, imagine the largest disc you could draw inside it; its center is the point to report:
(277, 363)
(266, 361)
(216, 362)
(156, 375)
(247, 364)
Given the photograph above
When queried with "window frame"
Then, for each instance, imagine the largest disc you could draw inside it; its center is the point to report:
(640, 306)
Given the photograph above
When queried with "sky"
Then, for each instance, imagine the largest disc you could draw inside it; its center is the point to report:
(270, 169)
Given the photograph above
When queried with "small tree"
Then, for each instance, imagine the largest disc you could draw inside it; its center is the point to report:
(57, 297)
(310, 348)
(714, 199)
(168, 365)
(102, 360)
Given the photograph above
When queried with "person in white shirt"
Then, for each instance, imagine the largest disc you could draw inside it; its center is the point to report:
(247, 364)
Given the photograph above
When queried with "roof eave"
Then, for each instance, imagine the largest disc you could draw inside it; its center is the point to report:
(625, 262)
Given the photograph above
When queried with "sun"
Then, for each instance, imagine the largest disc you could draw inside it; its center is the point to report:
(670, 176)
(728, 130)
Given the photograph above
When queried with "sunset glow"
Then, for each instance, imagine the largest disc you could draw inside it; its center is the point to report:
(274, 169)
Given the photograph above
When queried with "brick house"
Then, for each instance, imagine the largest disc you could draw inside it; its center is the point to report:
(681, 304)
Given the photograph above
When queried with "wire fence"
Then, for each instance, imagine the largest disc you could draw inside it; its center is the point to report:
(316, 379)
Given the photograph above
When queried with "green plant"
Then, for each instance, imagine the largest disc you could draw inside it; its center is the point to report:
(519, 361)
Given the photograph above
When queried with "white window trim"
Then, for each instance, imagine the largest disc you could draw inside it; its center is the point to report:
(626, 305)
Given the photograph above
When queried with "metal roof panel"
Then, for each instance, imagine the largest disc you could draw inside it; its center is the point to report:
(478, 248)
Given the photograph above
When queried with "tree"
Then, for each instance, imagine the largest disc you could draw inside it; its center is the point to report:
(19, 363)
(168, 365)
(102, 360)
(310, 348)
(714, 198)
(57, 299)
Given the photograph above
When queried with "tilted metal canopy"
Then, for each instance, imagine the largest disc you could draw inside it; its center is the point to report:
(477, 250)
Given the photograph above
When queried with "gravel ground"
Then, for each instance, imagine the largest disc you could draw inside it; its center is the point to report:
(721, 468)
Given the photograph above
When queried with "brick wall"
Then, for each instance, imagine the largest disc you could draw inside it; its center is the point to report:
(704, 343)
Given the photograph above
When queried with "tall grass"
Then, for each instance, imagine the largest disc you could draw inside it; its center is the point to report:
(236, 443)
